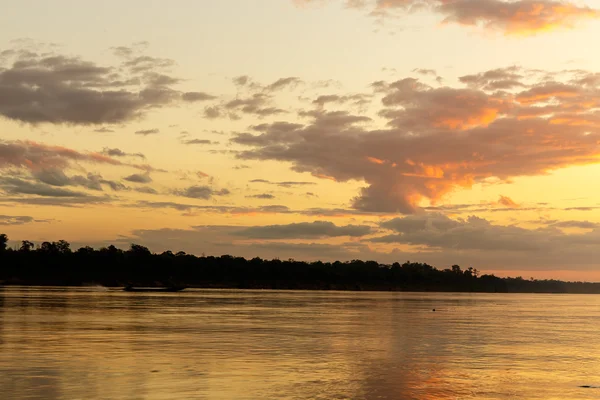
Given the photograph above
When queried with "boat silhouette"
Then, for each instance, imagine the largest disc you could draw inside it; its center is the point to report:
(153, 289)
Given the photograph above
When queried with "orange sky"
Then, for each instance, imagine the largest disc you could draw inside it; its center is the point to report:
(449, 132)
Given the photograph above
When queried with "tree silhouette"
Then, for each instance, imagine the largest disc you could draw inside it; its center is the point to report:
(26, 245)
(3, 242)
(54, 263)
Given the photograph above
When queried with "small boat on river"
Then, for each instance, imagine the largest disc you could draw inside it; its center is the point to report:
(153, 289)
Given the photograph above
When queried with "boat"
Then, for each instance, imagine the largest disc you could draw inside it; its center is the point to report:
(153, 289)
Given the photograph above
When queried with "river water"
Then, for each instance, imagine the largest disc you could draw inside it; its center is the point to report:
(94, 343)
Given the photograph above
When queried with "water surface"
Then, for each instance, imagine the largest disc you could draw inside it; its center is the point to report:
(95, 343)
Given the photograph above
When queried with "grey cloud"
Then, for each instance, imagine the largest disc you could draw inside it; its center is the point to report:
(304, 230)
(146, 132)
(147, 63)
(53, 88)
(146, 190)
(79, 201)
(357, 100)
(267, 209)
(284, 82)
(270, 209)
(57, 177)
(103, 130)
(114, 152)
(496, 79)
(201, 192)
(286, 184)
(265, 196)
(139, 178)
(7, 220)
(212, 112)
(440, 232)
(241, 80)
(425, 71)
(289, 184)
(197, 96)
(198, 141)
(253, 98)
(20, 186)
(115, 186)
(578, 253)
(257, 104)
(576, 224)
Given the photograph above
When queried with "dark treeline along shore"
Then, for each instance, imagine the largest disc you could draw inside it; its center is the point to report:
(54, 263)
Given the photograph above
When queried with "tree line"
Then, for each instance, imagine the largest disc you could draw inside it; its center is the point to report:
(56, 264)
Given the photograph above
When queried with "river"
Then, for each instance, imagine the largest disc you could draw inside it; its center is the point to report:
(94, 343)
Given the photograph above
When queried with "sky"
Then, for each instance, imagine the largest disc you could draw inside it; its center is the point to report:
(441, 131)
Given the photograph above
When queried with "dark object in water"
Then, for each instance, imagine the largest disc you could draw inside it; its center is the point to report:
(433, 309)
(158, 289)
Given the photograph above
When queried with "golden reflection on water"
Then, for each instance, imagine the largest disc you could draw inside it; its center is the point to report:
(93, 343)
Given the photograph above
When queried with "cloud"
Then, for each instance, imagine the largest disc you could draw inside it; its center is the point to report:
(507, 202)
(146, 190)
(8, 220)
(357, 100)
(212, 112)
(303, 230)
(439, 139)
(283, 83)
(252, 98)
(272, 209)
(146, 132)
(35, 156)
(39, 169)
(256, 104)
(139, 178)
(495, 79)
(576, 224)
(246, 82)
(201, 192)
(198, 141)
(236, 210)
(511, 17)
(20, 186)
(57, 177)
(103, 130)
(549, 249)
(265, 196)
(78, 201)
(286, 184)
(48, 87)
(522, 17)
(425, 71)
(192, 97)
(436, 231)
(114, 152)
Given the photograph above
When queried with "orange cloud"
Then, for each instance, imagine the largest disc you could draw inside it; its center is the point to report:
(507, 202)
(522, 17)
(438, 139)
(512, 17)
(34, 155)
